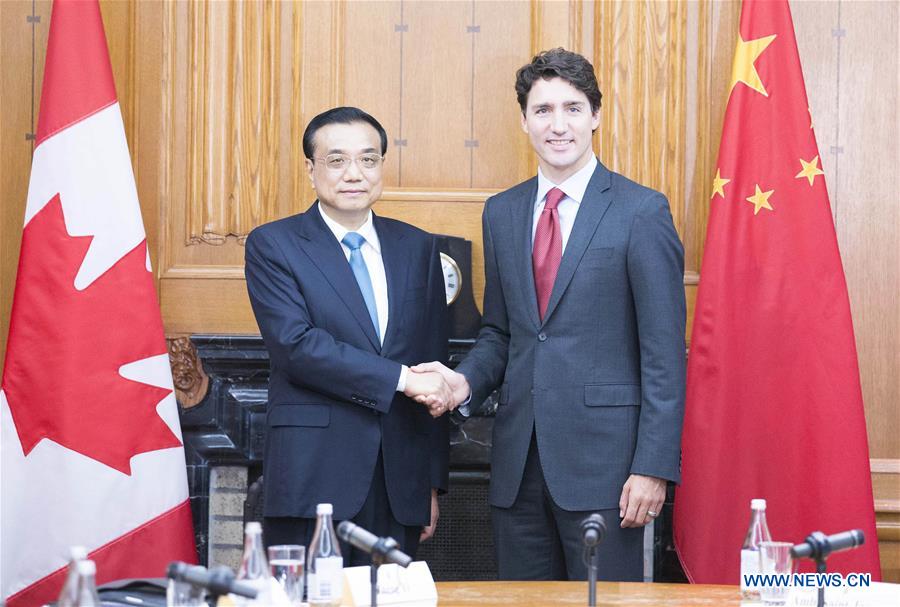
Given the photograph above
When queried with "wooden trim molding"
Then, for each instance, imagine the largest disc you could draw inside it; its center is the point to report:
(885, 466)
(429, 195)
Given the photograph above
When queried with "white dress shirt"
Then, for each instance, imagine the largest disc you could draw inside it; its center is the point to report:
(573, 188)
(371, 254)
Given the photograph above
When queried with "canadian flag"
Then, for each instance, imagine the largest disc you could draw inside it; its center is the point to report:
(91, 446)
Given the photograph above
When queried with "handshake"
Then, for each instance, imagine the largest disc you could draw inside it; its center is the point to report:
(437, 387)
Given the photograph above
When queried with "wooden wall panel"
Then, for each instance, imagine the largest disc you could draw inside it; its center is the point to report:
(709, 43)
(18, 118)
(436, 84)
(372, 74)
(500, 156)
(853, 102)
(640, 55)
(866, 203)
(233, 117)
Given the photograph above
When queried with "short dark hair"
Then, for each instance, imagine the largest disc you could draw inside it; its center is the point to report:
(339, 115)
(559, 63)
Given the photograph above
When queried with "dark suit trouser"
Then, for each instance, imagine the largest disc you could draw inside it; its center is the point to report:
(375, 516)
(537, 540)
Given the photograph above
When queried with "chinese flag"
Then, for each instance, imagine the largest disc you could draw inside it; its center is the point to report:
(91, 446)
(774, 407)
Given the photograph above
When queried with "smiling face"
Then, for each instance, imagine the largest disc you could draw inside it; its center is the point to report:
(560, 124)
(346, 195)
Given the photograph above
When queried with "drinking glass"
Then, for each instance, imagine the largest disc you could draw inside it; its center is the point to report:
(287, 564)
(183, 594)
(775, 559)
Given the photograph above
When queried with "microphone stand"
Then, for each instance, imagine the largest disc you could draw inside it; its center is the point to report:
(590, 559)
(379, 553)
(819, 543)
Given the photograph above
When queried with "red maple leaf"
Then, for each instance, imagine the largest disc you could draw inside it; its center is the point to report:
(65, 348)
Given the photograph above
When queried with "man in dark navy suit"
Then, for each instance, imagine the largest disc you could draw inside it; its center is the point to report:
(345, 300)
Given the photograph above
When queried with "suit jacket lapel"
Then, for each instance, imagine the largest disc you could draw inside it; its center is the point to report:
(522, 220)
(327, 253)
(597, 198)
(393, 250)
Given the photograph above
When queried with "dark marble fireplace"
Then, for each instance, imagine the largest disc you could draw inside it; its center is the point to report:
(222, 382)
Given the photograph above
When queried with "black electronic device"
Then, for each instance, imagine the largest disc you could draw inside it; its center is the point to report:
(456, 264)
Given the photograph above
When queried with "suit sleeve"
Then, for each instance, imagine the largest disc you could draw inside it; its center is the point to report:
(485, 365)
(438, 333)
(310, 356)
(656, 276)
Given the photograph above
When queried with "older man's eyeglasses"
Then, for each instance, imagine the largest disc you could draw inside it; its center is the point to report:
(341, 162)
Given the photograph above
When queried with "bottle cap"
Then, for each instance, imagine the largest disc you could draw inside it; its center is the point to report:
(77, 553)
(324, 509)
(86, 567)
(758, 504)
(253, 527)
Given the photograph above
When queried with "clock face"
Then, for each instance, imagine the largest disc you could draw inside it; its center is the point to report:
(452, 277)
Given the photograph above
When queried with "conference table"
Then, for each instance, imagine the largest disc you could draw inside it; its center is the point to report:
(619, 594)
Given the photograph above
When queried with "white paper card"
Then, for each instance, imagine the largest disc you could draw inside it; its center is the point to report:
(411, 587)
(879, 594)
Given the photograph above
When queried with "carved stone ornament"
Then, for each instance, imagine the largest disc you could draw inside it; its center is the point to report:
(191, 382)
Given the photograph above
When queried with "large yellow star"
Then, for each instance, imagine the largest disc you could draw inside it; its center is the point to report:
(743, 69)
(719, 185)
(760, 200)
(810, 170)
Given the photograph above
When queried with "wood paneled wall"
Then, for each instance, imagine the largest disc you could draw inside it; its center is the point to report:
(215, 96)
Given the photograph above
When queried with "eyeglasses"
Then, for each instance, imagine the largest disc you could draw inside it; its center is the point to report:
(341, 162)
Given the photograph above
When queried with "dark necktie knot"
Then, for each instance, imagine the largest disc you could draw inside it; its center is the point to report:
(553, 197)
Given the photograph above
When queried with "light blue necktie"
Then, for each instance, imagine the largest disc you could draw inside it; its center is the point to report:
(354, 241)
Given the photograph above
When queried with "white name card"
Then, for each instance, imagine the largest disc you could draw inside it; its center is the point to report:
(410, 587)
(879, 594)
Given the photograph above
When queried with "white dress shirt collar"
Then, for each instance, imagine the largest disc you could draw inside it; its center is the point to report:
(574, 187)
(366, 230)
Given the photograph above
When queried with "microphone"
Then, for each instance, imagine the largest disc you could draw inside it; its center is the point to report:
(593, 529)
(818, 545)
(219, 581)
(369, 543)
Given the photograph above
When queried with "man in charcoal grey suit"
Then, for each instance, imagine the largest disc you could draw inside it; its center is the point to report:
(583, 332)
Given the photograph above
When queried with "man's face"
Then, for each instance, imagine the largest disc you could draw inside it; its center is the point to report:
(346, 193)
(559, 122)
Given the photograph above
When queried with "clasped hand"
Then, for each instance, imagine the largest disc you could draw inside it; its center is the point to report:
(437, 387)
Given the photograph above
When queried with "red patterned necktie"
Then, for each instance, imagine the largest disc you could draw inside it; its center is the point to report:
(547, 250)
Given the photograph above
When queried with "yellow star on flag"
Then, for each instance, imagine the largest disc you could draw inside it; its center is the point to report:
(745, 55)
(760, 200)
(810, 170)
(719, 185)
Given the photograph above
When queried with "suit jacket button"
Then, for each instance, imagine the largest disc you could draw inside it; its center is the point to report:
(542, 337)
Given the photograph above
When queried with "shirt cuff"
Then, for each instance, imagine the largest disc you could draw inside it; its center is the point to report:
(401, 383)
(463, 407)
